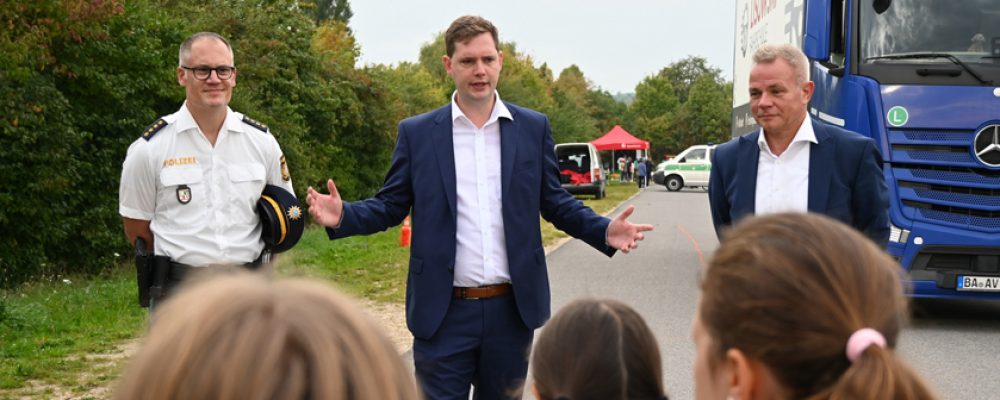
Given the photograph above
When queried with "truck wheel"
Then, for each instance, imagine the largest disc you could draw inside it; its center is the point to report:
(673, 183)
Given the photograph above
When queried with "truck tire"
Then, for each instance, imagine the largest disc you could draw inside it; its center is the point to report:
(673, 183)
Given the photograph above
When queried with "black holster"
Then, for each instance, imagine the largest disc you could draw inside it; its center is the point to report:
(160, 284)
(143, 271)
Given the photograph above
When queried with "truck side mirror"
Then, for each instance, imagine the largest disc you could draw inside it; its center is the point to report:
(881, 5)
(816, 37)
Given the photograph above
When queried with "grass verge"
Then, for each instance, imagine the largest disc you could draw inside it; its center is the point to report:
(48, 328)
(371, 267)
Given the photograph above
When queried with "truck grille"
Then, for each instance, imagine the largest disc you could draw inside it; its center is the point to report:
(940, 181)
(956, 259)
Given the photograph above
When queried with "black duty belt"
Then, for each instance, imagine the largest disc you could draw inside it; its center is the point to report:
(178, 270)
(157, 276)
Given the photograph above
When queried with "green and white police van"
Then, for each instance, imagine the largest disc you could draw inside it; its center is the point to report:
(690, 168)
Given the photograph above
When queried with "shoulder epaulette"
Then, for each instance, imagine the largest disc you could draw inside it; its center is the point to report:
(152, 129)
(254, 123)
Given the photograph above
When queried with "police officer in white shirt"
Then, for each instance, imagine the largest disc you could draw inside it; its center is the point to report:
(190, 184)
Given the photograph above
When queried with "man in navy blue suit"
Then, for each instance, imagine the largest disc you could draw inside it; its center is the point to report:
(795, 163)
(477, 174)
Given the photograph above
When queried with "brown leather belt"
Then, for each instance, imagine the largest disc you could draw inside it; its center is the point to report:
(482, 292)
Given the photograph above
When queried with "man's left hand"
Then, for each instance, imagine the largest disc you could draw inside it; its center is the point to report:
(624, 235)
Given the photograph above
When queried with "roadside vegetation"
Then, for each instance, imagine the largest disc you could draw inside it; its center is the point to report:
(66, 335)
(48, 328)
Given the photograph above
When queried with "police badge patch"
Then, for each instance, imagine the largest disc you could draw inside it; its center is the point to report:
(294, 212)
(184, 194)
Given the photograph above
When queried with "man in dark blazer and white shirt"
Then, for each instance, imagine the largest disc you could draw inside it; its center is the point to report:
(795, 163)
(477, 174)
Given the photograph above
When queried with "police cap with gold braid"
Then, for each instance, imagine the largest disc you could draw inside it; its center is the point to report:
(281, 219)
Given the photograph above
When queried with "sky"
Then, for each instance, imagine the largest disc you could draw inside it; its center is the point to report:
(615, 43)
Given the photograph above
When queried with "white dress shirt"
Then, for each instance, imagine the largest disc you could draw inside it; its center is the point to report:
(783, 181)
(481, 252)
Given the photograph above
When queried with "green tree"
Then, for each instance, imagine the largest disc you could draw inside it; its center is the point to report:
(572, 82)
(606, 111)
(325, 10)
(546, 73)
(335, 46)
(571, 118)
(651, 111)
(413, 89)
(521, 83)
(683, 74)
(355, 133)
(74, 95)
(683, 104)
(430, 59)
(706, 113)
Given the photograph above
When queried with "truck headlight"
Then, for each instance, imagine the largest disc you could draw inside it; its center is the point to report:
(898, 235)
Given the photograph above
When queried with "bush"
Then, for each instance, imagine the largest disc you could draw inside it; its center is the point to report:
(76, 100)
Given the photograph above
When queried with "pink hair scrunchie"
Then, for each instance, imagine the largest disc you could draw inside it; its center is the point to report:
(860, 340)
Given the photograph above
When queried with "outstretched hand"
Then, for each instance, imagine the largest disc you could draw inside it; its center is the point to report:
(624, 235)
(325, 209)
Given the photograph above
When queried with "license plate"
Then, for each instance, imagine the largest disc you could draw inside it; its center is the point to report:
(978, 283)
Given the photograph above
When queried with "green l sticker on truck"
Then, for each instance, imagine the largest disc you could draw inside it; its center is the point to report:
(897, 116)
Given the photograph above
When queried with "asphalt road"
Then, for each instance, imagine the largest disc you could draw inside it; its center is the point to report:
(954, 345)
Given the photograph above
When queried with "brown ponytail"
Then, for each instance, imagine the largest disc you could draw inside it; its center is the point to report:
(789, 290)
(877, 374)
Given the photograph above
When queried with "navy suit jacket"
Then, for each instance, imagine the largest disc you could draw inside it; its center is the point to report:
(845, 181)
(422, 176)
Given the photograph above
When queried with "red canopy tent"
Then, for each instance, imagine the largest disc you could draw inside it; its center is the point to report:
(619, 139)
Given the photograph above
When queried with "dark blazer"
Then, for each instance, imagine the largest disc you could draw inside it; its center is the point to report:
(845, 181)
(422, 176)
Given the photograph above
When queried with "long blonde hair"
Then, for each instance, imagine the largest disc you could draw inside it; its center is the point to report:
(242, 337)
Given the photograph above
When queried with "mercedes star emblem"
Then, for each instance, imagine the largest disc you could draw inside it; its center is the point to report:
(987, 145)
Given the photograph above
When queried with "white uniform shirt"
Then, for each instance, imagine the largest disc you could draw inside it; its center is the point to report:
(783, 181)
(481, 251)
(201, 199)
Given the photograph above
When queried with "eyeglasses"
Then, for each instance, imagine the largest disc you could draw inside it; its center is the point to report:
(202, 73)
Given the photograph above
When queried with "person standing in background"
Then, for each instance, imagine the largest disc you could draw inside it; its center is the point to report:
(641, 173)
(794, 162)
(190, 184)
